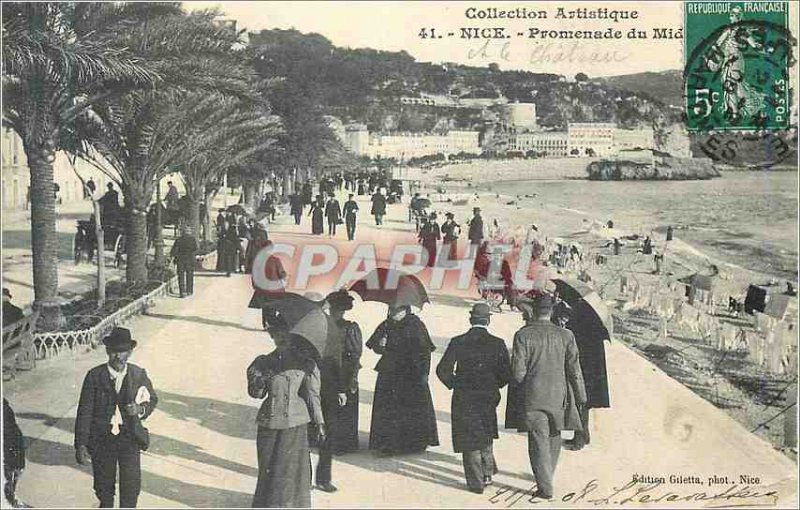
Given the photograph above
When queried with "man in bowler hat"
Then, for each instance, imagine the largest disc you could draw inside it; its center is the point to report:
(544, 360)
(183, 252)
(475, 366)
(115, 396)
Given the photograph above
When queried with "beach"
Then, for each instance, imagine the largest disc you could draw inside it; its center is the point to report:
(741, 226)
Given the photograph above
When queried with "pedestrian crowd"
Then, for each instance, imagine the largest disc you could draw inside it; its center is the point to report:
(310, 399)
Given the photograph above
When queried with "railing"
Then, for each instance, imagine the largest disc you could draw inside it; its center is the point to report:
(53, 343)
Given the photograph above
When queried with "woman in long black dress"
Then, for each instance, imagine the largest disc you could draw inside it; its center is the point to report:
(344, 432)
(228, 254)
(403, 418)
(317, 214)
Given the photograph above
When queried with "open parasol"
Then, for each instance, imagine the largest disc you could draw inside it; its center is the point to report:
(304, 317)
(392, 287)
(588, 308)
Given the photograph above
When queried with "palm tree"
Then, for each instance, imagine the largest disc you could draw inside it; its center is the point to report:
(220, 133)
(58, 59)
(140, 133)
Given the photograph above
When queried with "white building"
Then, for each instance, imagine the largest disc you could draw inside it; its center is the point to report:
(16, 176)
(521, 116)
(548, 144)
(404, 146)
(629, 139)
(356, 138)
(463, 141)
(590, 139)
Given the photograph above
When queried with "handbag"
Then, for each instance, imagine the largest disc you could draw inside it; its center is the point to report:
(140, 432)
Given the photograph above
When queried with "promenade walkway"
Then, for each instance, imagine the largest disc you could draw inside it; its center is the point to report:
(203, 452)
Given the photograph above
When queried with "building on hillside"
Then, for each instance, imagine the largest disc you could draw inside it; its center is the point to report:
(630, 139)
(546, 144)
(463, 141)
(594, 139)
(16, 176)
(356, 139)
(404, 146)
(520, 116)
(435, 100)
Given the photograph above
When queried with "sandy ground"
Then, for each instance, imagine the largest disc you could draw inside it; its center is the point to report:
(203, 454)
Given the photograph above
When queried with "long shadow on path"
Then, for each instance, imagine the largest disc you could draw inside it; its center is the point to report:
(234, 420)
(51, 453)
(195, 319)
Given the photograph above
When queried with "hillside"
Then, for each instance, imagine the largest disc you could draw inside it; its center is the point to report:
(665, 86)
(366, 86)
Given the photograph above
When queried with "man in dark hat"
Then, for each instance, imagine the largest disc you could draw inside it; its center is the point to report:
(115, 397)
(183, 252)
(11, 312)
(350, 211)
(429, 235)
(544, 360)
(476, 227)
(475, 366)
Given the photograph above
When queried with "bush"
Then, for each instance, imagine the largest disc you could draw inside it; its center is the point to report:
(161, 273)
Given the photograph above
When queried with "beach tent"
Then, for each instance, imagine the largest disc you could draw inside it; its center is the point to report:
(756, 299)
(700, 282)
(782, 307)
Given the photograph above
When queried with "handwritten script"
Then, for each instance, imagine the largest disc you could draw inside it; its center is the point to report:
(546, 53)
(637, 493)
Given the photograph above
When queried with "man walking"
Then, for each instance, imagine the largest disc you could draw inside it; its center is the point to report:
(333, 213)
(183, 253)
(475, 234)
(475, 366)
(115, 397)
(378, 207)
(544, 360)
(350, 210)
(296, 206)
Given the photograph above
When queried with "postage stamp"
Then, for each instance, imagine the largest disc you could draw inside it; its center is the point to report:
(738, 56)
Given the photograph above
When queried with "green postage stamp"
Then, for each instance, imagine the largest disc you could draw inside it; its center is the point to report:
(738, 56)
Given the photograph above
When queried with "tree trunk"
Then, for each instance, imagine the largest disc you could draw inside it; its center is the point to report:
(208, 198)
(287, 183)
(250, 191)
(136, 245)
(158, 238)
(194, 211)
(101, 255)
(44, 239)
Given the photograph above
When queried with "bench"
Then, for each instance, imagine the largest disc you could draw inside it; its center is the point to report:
(18, 349)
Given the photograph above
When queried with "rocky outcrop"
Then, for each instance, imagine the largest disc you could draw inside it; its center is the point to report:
(657, 168)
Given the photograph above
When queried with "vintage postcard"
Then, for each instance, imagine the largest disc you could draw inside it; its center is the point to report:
(400, 254)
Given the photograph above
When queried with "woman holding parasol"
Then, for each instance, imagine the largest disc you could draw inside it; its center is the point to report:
(403, 418)
(288, 380)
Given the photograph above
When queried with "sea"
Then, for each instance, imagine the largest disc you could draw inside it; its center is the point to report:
(745, 218)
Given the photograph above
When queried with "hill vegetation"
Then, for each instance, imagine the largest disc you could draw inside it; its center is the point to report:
(365, 86)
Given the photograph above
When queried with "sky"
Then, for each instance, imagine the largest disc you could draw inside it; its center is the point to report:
(395, 26)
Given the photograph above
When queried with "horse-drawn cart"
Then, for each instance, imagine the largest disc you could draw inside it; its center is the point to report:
(84, 242)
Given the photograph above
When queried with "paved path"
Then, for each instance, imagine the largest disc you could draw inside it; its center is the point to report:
(73, 279)
(203, 432)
